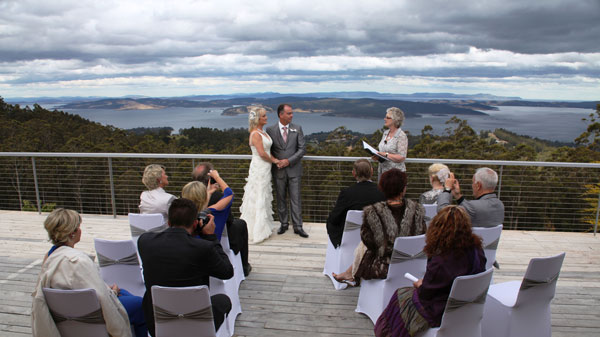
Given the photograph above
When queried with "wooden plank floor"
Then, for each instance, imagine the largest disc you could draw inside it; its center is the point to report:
(287, 295)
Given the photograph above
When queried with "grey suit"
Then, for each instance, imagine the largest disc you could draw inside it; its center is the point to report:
(288, 179)
(486, 211)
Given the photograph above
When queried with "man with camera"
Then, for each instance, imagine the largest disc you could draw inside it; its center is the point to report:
(237, 229)
(175, 258)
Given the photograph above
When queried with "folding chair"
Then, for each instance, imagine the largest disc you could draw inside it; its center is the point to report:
(408, 257)
(142, 223)
(491, 238)
(230, 288)
(430, 212)
(119, 263)
(522, 308)
(464, 309)
(235, 259)
(338, 259)
(76, 312)
(184, 311)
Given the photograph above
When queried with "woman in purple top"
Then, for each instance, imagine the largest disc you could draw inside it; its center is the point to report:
(452, 250)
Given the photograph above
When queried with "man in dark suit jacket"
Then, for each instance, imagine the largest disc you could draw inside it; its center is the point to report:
(174, 258)
(355, 197)
(237, 229)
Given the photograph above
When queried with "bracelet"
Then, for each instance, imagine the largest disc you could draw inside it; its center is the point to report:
(386, 154)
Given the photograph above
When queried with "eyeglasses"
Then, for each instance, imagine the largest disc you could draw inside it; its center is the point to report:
(386, 117)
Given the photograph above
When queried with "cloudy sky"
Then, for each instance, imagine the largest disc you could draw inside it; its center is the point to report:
(535, 49)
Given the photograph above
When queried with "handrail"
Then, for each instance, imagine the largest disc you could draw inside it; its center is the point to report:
(316, 158)
(111, 182)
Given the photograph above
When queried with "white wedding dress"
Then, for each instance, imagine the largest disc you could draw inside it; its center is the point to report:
(256, 208)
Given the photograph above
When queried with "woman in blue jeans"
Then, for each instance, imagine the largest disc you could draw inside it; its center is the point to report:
(65, 267)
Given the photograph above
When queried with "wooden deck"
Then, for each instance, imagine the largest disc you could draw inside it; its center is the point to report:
(287, 295)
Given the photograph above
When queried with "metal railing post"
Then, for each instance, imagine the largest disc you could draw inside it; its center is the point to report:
(500, 181)
(112, 188)
(37, 189)
(597, 213)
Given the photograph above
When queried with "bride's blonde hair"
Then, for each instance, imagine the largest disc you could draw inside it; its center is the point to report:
(253, 117)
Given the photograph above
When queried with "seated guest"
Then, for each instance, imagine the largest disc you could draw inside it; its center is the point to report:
(486, 210)
(437, 176)
(383, 222)
(452, 250)
(236, 228)
(174, 258)
(155, 199)
(355, 197)
(65, 267)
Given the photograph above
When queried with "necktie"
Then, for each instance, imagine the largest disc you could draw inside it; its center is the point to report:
(285, 134)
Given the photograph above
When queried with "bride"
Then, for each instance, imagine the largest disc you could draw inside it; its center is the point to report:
(256, 206)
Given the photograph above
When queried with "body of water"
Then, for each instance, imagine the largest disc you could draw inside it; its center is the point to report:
(561, 124)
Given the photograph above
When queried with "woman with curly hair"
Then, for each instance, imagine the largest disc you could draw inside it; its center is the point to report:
(452, 250)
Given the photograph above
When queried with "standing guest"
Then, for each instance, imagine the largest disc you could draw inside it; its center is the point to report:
(237, 229)
(394, 143)
(438, 173)
(452, 251)
(383, 222)
(175, 258)
(65, 267)
(355, 197)
(155, 199)
(486, 210)
(289, 148)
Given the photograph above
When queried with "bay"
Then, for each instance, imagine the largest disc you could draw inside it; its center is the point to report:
(560, 124)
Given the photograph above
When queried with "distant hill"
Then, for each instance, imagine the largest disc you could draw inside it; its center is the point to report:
(359, 108)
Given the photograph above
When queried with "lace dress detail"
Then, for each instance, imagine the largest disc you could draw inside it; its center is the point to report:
(256, 208)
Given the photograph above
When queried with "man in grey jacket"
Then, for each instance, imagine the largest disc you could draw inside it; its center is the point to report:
(289, 147)
(486, 210)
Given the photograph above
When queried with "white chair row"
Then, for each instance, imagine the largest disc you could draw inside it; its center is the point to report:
(178, 312)
(338, 259)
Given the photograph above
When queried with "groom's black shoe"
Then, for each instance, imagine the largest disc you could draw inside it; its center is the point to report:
(282, 229)
(300, 232)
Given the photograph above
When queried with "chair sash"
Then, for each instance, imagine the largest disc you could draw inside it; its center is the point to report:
(528, 283)
(94, 317)
(163, 315)
(454, 304)
(398, 256)
(136, 231)
(350, 226)
(104, 261)
(493, 245)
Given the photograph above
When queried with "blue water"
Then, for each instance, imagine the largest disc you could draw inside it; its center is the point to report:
(562, 124)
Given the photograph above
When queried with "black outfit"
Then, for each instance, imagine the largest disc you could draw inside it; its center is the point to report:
(355, 197)
(173, 258)
(237, 231)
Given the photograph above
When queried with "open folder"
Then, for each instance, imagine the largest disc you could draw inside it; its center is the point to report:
(372, 151)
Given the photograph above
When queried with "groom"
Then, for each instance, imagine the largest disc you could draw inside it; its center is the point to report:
(288, 146)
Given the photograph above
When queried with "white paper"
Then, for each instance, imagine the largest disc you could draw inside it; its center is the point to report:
(411, 277)
(372, 150)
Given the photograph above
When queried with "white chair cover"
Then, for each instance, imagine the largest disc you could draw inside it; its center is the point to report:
(522, 308)
(338, 259)
(430, 212)
(235, 259)
(408, 257)
(183, 311)
(464, 309)
(82, 310)
(119, 263)
(228, 287)
(141, 223)
(491, 238)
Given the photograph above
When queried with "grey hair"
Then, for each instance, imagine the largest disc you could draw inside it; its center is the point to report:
(487, 177)
(397, 115)
(152, 175)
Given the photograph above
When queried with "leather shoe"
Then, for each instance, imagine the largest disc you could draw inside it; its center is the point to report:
(300, 232)
(247, 269)
(282, 229)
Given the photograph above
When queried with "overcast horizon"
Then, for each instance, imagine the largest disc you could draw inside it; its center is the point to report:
(536, 50)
